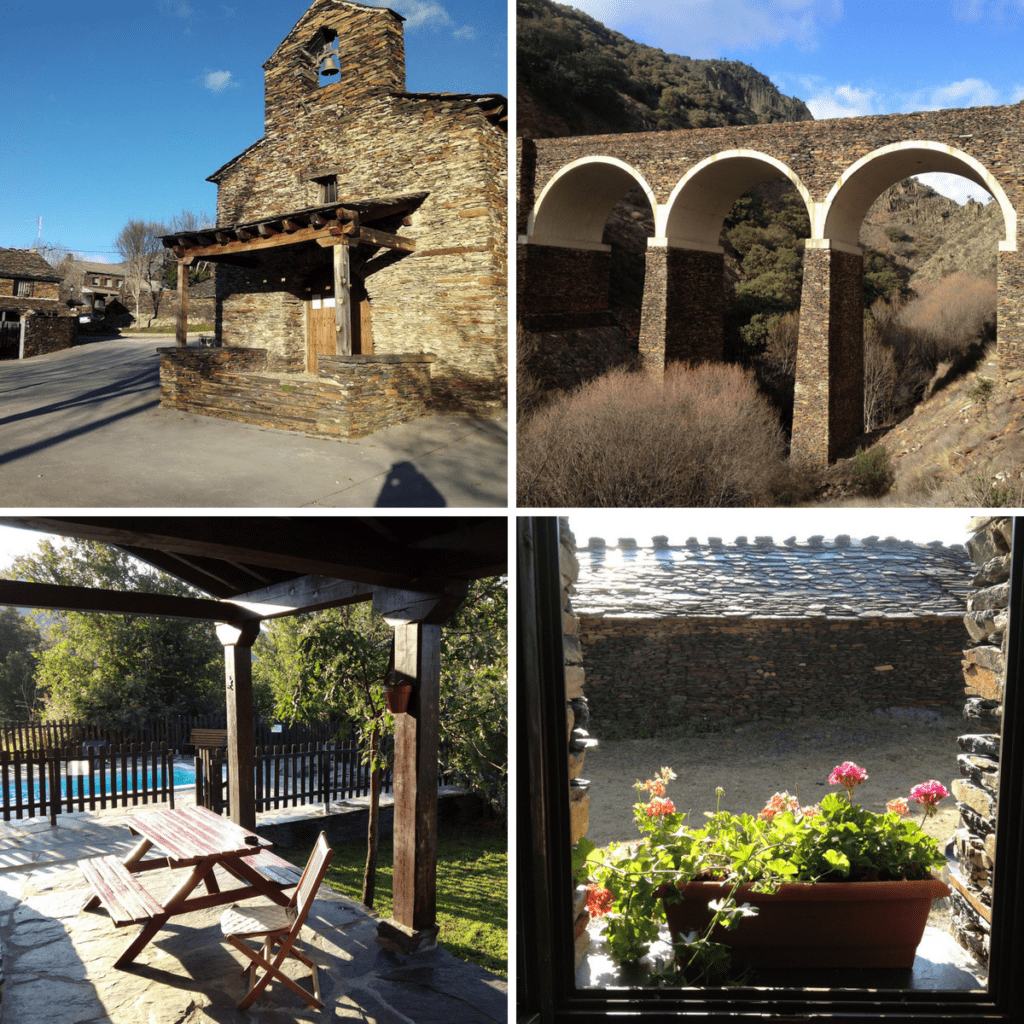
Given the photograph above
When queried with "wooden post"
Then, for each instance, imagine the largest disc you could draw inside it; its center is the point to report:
(181, 333)
(238, 639)
(417, 660)
(343, 300)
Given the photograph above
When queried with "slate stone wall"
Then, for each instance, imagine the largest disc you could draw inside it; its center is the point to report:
(49, 334)
(449, 297)
(977, 791)
(541, 295)
(708, 668)
(352, 396)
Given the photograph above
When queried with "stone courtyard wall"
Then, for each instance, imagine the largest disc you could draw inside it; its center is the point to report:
(49, 334)
(350, 397)
(743, 669)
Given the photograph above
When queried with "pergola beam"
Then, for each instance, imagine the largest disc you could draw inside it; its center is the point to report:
(87, 599)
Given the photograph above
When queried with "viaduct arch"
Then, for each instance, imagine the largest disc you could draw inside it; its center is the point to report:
(568, 187)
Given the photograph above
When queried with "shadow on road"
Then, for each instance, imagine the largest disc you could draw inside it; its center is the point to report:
(406, 487)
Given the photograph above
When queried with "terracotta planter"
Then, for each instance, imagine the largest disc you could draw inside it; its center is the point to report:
(828, 924)
(397, 697)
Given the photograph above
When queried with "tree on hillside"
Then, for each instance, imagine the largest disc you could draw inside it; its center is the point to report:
(139, 243)
(20, 641)
(119, 670)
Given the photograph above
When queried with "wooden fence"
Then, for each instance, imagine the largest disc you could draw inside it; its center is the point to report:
(173, 730)
(314, 773)
(46, 782)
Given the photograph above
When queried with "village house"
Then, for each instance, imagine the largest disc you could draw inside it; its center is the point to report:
(360, 251)
(33, 319)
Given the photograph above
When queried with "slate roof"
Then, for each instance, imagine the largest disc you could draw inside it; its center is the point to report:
(761, 579)
(26, 263)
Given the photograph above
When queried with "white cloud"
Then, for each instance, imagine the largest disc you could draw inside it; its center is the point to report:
(466, 32)
(970, 92)
(954, 187)
(422, 14)
(992, 10)
(704, 28)
(218, 81)
(1018, 94)
(843, 101)
(177, 9)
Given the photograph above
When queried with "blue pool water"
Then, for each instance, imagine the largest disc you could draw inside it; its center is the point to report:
(182, 776)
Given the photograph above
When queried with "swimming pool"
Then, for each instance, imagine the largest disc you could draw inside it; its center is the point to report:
(182, 775)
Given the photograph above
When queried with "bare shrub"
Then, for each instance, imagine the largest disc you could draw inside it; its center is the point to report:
(699, 437)
(529, 392)
(912, 349)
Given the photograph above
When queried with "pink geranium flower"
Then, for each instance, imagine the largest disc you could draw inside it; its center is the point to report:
(659, 806)
(848, 775)
(898, 806)
(929, 794)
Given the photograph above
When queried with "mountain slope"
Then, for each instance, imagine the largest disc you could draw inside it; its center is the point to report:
(576, 77)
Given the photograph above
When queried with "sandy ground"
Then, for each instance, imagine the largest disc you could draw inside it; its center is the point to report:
(898, 750)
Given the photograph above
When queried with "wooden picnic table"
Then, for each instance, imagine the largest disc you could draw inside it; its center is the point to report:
(188, 837)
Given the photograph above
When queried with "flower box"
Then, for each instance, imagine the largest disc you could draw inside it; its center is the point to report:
(822, 924)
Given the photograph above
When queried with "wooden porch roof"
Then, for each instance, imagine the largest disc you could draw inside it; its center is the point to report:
(347, 221)
(229, 556)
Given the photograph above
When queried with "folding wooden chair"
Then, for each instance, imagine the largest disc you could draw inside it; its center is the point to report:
(278, 926)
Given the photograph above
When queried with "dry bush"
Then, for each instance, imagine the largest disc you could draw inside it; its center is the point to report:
(912, 349)
(529, 392)
(953, 314)
(700, 437)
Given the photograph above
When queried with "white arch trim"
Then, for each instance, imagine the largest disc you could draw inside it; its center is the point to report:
(742, 181)
(953, 161)
(574, 205)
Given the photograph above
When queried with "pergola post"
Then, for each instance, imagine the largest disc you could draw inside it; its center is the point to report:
(181, 331)
(342, 300)
(413, 925)
(238, 639)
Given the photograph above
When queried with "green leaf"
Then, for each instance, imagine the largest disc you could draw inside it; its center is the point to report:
(838, 860)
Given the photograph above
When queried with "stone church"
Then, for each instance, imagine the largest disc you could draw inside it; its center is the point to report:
(360, 250)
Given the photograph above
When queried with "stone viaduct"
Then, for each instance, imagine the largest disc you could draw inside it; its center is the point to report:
(567, 188)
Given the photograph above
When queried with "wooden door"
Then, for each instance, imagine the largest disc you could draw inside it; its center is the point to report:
(321, 333)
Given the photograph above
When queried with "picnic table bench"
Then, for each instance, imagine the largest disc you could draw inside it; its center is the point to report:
(193, 838)
(209, 739)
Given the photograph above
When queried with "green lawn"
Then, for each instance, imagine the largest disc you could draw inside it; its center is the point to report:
(472, 888)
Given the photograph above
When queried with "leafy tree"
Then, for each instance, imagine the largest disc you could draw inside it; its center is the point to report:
(20, 641)
(334, 663)
(119, 670)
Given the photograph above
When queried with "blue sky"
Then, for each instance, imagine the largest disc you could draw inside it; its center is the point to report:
(846, 58)
(122, 109)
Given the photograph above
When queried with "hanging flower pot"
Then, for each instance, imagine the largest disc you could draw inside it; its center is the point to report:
(397, 697)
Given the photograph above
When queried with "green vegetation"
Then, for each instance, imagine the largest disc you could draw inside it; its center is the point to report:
(472, 888)
(872, 470)
(20, 643)
(120, 670)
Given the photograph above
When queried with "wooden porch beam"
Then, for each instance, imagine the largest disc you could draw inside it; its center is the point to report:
(257, 244)
(369, 236)
(306, 594)
(88, 599)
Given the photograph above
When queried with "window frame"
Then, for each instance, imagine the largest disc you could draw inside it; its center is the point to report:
(23, 288)
(546, 992)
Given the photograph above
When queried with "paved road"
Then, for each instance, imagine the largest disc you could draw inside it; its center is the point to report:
(83, 429)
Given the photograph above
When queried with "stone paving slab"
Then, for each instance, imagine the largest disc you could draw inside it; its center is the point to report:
(58, 959)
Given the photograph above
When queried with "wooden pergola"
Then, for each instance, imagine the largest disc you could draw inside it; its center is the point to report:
(415, 570)
(369, 224)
